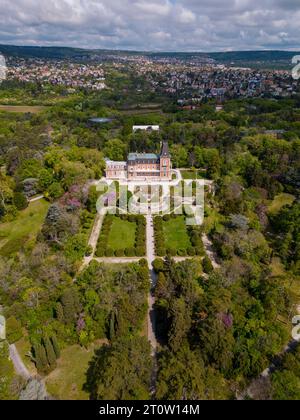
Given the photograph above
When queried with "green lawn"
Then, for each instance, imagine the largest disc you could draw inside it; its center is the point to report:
(121, 235)
(67, 380)
(193, 174)
(13, 235)
(280, 201)
(176, 236)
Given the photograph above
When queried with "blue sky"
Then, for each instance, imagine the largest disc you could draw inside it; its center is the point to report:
(166, 25)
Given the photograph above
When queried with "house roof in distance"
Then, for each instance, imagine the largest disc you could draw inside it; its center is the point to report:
(146, 127)
(165, 150)
(142, 156)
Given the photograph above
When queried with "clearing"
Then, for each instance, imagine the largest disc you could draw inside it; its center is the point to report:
(121, 235)
(14, 234)
(67, 380)
(175, 231)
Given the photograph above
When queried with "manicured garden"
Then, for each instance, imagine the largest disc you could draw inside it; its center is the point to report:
(122, 236)
(174, 237)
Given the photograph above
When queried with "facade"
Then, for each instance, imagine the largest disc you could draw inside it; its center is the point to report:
(142, 166)
(145, 128)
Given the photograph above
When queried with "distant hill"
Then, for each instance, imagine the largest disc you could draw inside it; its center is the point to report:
(272, 59)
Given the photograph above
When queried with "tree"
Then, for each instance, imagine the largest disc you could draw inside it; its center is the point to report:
(40, 356)
(207, 265)
(181, 376)
(51, 356)
(70, 304)
(115, 149)
(13, 330)
(121, 371)
(180, 323)
(20, 201)
(55, 346)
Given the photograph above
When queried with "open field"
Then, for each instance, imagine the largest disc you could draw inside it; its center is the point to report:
(67, 380)
(175, 231)
(121, 235)
(280, 201)
(22, 109)
(13, 235)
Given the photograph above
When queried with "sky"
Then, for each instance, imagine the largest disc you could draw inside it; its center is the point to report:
(153, 25)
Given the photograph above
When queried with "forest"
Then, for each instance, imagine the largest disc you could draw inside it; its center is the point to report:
(218, 329)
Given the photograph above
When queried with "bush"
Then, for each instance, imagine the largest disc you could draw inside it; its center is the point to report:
(119, 253)
(172, 252)
(166, 217)
(207, 265)
(13, 330)
(199, 250)
(100, 252)
(130, 252)
(191, 252)
(109, 252)
(20, 201)
(182, 252)
(140, 251)
(161, 252)
(158, 265)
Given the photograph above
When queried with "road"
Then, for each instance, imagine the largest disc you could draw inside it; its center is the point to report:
(153, 279)
(32, 200)
(18, 363)
(210, 251)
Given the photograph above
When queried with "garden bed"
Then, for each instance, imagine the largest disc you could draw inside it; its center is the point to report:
(122, 236)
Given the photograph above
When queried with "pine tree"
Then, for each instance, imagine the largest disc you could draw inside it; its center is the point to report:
(51, 356)
(59, 312)
(55, 346)
(40, 358)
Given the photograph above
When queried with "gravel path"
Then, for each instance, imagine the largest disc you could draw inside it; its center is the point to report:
(20, 368)
(210, 251)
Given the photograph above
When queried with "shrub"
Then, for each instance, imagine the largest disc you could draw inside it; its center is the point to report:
(182, 252)
(191, 252)
(166, 217)
(13, 330)
(172, 252)
(100, 252)
(20, 201)
(130, 252)
(207, 265)
(158, 265)
(119, 253)
(140, 251)
(161, 252)
(109, 252)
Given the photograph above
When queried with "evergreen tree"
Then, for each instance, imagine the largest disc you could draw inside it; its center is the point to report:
(40, 358)
(55, 346)
(51, 356)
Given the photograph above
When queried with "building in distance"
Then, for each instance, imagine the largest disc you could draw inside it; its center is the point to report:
(142, 167)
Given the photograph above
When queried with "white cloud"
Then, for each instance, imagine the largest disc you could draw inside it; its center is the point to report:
(188, 25)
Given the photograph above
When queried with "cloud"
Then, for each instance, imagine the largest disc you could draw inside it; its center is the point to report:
(183, 25)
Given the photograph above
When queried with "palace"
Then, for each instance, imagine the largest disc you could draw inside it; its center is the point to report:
(142, 167)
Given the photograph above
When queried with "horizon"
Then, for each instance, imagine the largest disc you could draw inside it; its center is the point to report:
(158, 25)
(151, 51)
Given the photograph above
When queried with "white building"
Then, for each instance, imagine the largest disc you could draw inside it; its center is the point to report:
(145, 128)
(2, 328)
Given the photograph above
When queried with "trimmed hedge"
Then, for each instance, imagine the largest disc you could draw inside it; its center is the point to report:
(140, 237)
